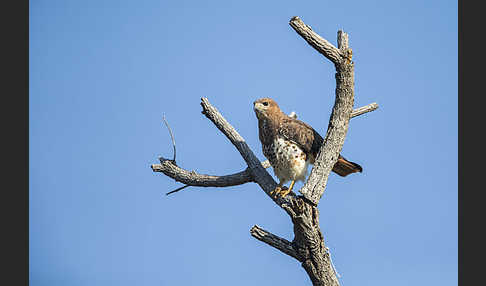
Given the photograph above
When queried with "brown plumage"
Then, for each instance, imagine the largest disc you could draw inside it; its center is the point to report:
(290, 144)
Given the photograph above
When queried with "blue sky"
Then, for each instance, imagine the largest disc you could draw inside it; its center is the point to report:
(103, 73)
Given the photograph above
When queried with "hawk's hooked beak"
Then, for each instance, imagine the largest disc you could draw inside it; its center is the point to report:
(258, 108)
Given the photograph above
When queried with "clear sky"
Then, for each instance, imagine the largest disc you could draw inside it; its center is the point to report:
(103, 73)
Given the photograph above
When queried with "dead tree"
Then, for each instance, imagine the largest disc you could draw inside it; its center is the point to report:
(308, 244)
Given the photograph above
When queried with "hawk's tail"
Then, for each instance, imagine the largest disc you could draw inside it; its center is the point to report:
(344, 167)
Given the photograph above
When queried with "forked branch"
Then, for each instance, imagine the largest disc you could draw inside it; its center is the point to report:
(341, 112)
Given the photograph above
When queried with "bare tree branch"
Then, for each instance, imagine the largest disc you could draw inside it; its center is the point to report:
(275, 241)
(338, 124)
(191, 178)
(259, 174)
(334, 54)
(356, 112)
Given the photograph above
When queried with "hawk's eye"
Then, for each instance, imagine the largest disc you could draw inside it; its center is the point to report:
(265, 103)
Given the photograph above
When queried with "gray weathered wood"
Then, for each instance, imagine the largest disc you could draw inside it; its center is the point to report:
(364, 109)
(258, 172)
(316, 41)
(275, 241)
(309, 243)
(192, 178)
(338, 124)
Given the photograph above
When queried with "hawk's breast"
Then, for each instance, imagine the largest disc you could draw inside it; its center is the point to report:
(288, 160)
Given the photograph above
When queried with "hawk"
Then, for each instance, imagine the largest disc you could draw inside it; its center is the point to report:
(291, 145)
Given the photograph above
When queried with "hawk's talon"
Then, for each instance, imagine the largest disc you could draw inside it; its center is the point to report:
(284, 192)
(279, 191)
(275, 191)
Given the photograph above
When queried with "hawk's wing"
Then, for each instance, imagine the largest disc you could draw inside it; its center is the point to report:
(310, 142)
(301, 134)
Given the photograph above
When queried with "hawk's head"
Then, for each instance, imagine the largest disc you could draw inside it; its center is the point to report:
(265, 108)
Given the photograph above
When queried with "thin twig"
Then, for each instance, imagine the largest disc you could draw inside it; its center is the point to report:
(176, 190)
(171, 136)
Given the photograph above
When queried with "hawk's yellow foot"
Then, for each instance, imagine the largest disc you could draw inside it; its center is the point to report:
(286, 191)
(280, 191)
(276, 191)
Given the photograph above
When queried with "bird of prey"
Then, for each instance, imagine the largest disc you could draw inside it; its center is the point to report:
(291, 145)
